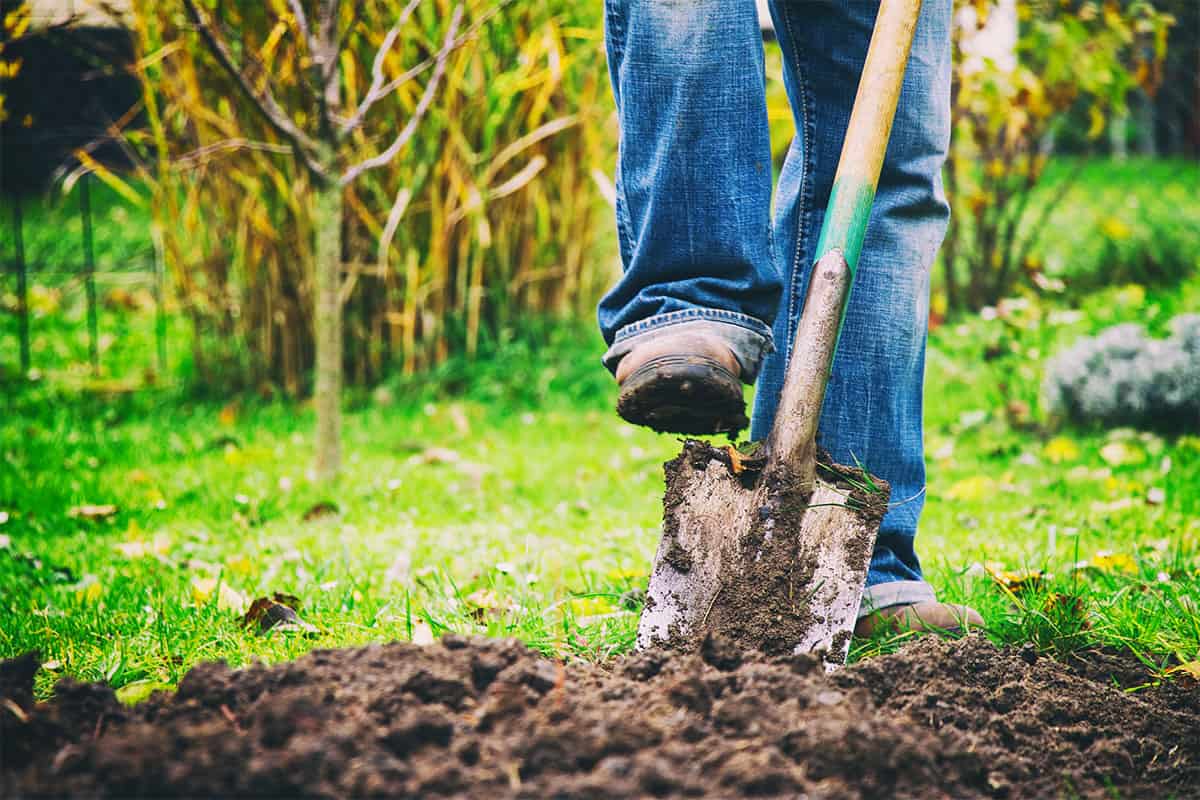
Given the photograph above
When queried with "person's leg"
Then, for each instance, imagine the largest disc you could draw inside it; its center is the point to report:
(693, 190)
(873, 406)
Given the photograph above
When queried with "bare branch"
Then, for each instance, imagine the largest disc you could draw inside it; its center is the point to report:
(399, 206)
(378, 88)
(419, 112)
(264, 103)
(302, 23)
(421, 66)
(228, 145)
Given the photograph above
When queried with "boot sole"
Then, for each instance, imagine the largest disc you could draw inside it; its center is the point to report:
(690, 395)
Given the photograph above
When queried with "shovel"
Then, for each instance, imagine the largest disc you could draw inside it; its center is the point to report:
(769, 550)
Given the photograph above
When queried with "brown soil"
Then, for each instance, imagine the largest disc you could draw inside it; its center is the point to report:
(490, 718)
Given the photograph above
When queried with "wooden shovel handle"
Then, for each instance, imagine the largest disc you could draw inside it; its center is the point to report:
(792, 443)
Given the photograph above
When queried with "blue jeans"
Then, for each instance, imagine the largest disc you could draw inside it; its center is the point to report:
(702, 247)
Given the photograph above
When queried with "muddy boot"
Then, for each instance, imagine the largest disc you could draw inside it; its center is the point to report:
(920, 617)
(682, 383)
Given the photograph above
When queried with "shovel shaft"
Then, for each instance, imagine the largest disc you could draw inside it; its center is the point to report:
(792, 441)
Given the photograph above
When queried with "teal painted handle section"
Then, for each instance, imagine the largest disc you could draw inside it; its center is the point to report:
(846, 219)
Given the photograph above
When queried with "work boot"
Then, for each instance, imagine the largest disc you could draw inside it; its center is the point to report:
(682, 383)
(921, 617)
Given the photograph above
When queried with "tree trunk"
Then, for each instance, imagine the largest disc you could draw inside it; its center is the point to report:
(327, 222)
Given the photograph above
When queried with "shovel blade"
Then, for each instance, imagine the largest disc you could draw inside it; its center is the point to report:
(757, 562)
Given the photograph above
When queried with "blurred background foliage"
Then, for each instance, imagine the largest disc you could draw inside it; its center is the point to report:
(503, 221)
(1073, 167)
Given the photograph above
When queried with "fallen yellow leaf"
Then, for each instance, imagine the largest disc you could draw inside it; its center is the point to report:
(1191, 669)
(202, 588)
(1114, 562)
(591, 606)
(93, 511)
(1015, 581)
(1060, 449)
(422, 634)
(971, 489)
(228, 415)
(240, 565)
(1119, 454)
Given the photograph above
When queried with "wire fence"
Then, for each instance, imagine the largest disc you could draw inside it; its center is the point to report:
(62, 260)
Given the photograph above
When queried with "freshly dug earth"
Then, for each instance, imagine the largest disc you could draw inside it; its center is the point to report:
(479, 717)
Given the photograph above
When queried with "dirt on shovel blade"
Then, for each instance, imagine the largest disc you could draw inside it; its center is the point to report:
(490, 718)
(765, 600)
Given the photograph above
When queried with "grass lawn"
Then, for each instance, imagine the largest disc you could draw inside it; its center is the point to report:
(505, 499)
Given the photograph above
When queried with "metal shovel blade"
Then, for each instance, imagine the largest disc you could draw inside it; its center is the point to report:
(774, 556)
(757, 559)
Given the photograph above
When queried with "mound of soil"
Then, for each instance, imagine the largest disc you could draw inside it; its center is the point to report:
(491, 718)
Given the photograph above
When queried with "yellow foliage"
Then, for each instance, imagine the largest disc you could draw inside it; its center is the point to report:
(228, 598)
(1114, 562)
(972, 489)
(1060, 449)
(591, 606)
(1116, 229)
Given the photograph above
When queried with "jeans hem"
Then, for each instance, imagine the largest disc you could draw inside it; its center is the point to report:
(894, 593)
(748, 338)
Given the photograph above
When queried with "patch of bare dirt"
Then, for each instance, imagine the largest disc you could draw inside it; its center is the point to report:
(478, 717)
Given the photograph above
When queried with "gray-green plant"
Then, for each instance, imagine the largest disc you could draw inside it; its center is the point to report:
(1122, 376)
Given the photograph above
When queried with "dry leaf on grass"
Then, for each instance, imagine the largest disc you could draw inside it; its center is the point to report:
(1121, 453)
(93, 512)
(141, 548)
(1060, 449)
(1114, 562)
(321, 510)
(1122, 504)
(1015, 581)
(1189, 672)
(277, 613)
(422, 634)
(228, 598)
(485, 604)
(229, 414)
(972, 489)
(435, 455)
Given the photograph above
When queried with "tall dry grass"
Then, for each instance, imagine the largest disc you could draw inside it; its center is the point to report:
(503, 218)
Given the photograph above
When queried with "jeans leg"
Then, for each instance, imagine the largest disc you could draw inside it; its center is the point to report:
(873, 406)
(694, 173)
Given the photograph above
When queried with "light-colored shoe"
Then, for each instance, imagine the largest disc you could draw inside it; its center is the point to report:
(928, 617)
(682, 383)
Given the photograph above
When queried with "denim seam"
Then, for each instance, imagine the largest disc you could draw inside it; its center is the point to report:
(659, 321)
(808, 166)
(621, 206)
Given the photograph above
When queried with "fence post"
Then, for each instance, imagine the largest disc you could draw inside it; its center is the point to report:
(22, 283)
(89, 264)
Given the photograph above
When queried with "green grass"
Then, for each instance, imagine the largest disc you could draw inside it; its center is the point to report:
(504, 497)
(127, 330)
(1117, 222)
(544, 527)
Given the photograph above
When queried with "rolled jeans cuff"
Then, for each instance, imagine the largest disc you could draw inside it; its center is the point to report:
(749, 339)
(894, 593)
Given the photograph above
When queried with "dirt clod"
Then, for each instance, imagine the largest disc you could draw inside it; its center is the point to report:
(479, 717)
